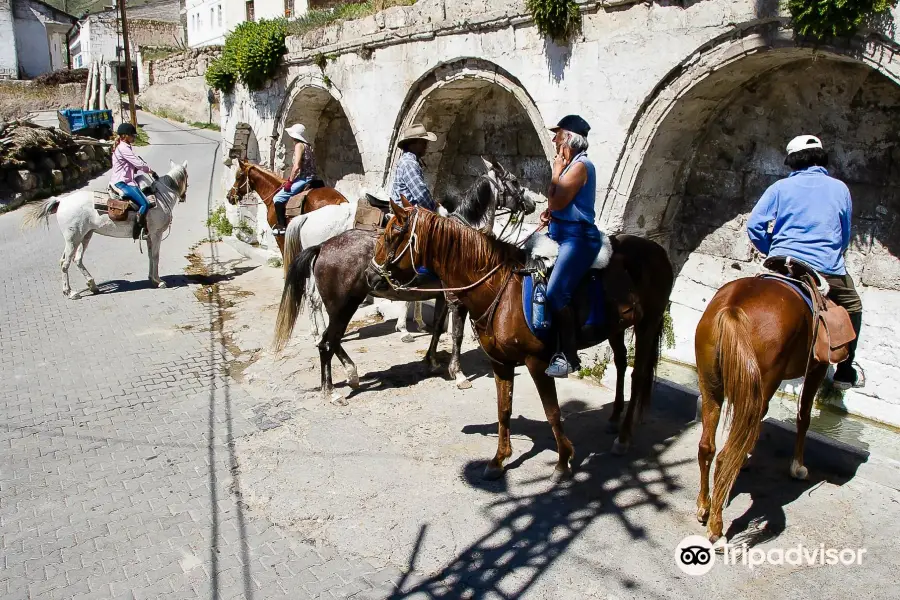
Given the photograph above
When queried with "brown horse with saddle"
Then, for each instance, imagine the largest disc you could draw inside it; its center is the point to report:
(254, 178)
(489, 278)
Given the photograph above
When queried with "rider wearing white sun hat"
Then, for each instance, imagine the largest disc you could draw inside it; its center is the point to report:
(303, 170)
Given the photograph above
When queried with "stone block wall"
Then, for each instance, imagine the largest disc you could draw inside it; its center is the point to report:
(190, 63)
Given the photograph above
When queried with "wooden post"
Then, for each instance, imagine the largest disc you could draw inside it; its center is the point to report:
(128, 78)
(103, 105)
(87, 88)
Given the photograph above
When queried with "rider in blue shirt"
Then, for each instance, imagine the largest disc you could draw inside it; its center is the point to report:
(570, 215)
(806, 216)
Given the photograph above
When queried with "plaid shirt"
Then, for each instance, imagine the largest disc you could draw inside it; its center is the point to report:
(410, 181)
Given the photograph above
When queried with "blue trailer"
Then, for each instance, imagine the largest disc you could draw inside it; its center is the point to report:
(92, 123)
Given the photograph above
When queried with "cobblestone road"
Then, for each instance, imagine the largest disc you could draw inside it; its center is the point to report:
(118, 478)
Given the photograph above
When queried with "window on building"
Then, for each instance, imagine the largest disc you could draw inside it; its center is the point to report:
(220, 15)
(288, 8)
(251, 14)
(212, 16)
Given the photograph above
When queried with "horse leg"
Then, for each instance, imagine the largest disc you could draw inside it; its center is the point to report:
(810, 387)
(349, 366)
(154, 240)
(417, 316)
(620, 358)
(546, 388)
(401, 325)
(79, 262)
(64, 262)
(460, 314)
(330, 345)
(440, 315)
(646, 351)
(503, 376)
(711, 409)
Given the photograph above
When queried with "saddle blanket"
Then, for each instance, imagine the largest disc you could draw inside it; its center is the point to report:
(796, 287)
(590, 290)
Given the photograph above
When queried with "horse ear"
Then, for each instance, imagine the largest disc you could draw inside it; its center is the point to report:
(395, 208)
(184, 165)
(487, 163)
(405, 202)
(171, 164)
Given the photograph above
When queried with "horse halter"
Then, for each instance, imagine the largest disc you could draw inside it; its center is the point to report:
(391, 256)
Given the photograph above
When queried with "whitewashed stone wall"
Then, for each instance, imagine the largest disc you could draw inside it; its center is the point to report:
(652, 80)
(9, 60)
(190, 63)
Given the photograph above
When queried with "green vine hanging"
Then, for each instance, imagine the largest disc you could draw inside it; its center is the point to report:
(557, 19)
(829, 19)
(251, 55)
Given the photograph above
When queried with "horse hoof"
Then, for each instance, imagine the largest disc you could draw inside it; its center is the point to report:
(161, 285)
(93, 287)
(464, 384)
(72, 295)
(562, 474)
(492, 473)
(407, 338)
(798, 471)
(353, 382)
(338, 399)
(612, 427)
(619, 448)
(703, 515)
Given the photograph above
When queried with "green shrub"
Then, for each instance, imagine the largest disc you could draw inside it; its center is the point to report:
(251, 55)
(219, 222)
(557, 19)
(828, 19)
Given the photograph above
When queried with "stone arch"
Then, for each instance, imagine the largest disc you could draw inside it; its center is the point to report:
(711, 138)
(655, 160)
(244, 144)
(476, 108)
(319, 107)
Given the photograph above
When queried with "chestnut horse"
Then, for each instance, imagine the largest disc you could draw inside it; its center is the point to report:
(755, 333)
(484, 273)
(254, 178)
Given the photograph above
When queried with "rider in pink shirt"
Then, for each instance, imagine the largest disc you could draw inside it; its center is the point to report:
(125, 165)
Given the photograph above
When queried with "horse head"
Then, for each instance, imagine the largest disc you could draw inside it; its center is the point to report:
(176, 180)
(392, 245)
(241, 185)
(513, 196)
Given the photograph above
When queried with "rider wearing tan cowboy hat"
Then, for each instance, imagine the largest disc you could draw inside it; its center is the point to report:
(303, 170)
(409, 179)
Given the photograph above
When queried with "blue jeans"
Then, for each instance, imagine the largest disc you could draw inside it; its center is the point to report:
(579, 244)
(283, 196)
(133, 192)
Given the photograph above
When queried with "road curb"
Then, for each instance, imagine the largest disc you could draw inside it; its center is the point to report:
(820, 453)
(253, 253)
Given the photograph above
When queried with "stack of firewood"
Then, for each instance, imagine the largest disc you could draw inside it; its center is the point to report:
(95, 91)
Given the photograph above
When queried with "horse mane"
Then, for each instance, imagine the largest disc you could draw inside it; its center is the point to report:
(469, 247)
(263, 170)
(474, 203)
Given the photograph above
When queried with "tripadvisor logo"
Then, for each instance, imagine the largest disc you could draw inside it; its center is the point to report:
(695, 555)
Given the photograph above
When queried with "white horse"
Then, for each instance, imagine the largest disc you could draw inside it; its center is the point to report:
(79, 221)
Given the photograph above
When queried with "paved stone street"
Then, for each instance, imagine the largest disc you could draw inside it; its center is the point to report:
(118, 477)
(152, 447)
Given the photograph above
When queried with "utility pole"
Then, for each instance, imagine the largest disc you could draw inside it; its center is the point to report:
(128, 77)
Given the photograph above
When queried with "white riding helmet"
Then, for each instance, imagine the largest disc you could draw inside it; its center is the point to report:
(802, 142)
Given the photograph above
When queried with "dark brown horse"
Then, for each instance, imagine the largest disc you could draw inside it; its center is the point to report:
(254, 178)
(487, 269)
(755, 333)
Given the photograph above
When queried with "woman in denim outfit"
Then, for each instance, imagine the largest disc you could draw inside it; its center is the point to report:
(570, 215)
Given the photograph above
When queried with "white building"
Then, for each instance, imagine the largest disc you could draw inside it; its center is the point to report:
(32, 38)
(209, 21)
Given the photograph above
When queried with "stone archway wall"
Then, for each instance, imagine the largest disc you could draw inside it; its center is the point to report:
(328, 129)
(707, 146)
(475, 109)
(244, 145)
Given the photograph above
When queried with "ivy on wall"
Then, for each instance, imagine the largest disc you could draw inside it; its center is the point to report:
(556, 19)
(251, 55)
(829, 19)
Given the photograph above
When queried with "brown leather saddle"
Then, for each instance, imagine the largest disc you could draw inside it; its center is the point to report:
(295, 204)
(116, 206)
(372, 214)
(834, 331)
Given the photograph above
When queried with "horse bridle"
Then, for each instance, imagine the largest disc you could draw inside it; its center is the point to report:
(391, 256)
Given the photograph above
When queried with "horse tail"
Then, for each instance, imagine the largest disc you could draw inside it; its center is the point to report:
(295, 286)
(292, 243)
(36, 212)
(741, 380)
